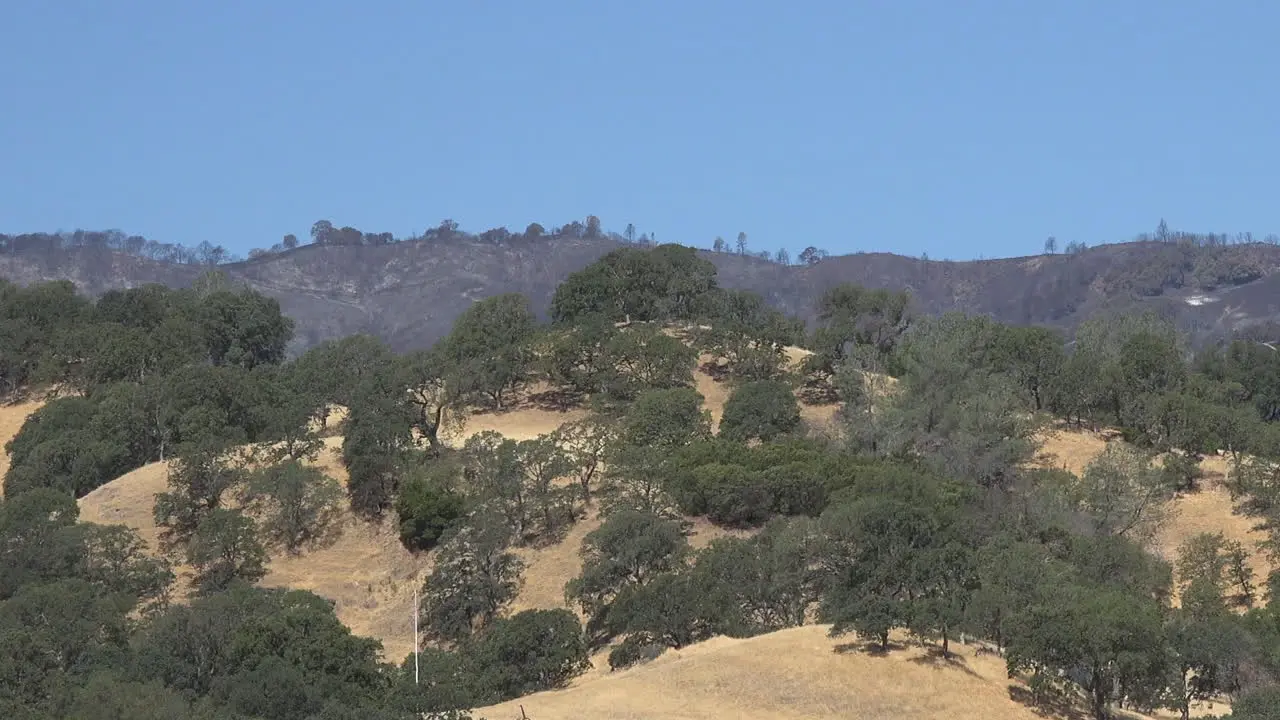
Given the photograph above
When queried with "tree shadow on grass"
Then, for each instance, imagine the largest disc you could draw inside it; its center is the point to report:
(557, 400)
(548, 538)
(324, 534)
(869, 647)
(934, 658)
(553, 400)
(1056, 706)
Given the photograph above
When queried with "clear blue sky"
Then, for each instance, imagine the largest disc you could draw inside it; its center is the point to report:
(956, 128)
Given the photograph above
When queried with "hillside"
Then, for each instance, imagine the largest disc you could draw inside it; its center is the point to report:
(128, 500)
(408, 293)
(371, 580)
(366, 572)
(799, 674)
(791, 674)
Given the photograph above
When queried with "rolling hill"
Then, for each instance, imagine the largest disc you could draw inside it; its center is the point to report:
(366, 572)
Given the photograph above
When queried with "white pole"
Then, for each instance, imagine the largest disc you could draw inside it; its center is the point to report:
(415, 635)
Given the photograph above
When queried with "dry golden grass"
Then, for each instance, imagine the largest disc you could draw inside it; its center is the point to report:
(1209, 509)
(365, 571)
(11, 419)
(792, 674)
(547, 569)
(526, 417)
(714, 392)
(1070, 449)
(128, 500)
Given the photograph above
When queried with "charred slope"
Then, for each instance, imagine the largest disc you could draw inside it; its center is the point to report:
(409, 293)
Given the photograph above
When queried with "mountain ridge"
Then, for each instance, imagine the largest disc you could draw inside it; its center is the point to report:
(408, 293)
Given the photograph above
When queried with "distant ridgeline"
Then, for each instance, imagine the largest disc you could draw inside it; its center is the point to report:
(324, 232)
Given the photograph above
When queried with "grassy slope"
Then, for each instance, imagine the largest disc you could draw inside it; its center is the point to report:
(366, 572)
(786, 675)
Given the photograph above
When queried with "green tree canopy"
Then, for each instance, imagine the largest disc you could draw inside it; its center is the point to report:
(763, 410)
(665, 283)
(490, 347)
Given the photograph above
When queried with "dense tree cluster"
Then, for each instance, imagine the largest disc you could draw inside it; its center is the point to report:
(87, 631)
(144, 371)
(923, 513)
(324, 232)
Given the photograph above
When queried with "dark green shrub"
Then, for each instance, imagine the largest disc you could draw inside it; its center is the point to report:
(531, 651)
(740, 500)
(1257, 705)
(764, 410)
(428, 507)
(797, 489)
(1180, 471)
